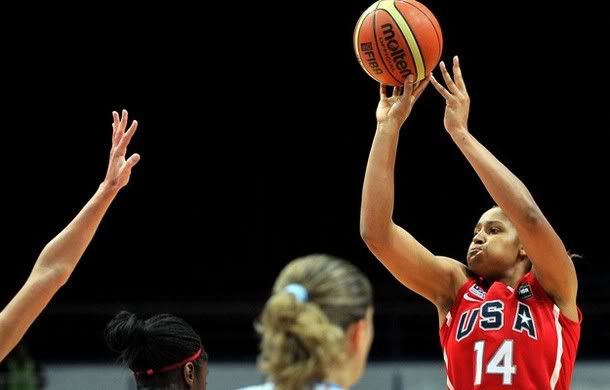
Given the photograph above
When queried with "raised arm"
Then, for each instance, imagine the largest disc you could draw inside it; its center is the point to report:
(435, 278)
(61, 255)
(552, 266)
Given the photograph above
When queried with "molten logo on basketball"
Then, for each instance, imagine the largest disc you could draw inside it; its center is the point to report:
(397, 54)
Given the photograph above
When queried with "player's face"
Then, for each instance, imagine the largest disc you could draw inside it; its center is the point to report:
(495, 246)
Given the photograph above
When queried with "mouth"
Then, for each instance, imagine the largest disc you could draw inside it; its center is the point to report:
(472, 253)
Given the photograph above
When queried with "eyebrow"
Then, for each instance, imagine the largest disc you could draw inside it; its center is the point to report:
(490, 222)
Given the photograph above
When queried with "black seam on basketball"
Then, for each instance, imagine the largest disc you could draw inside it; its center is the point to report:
(357, 44)
(377, 43)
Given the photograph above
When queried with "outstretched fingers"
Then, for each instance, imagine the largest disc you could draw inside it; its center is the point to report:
(126, 137)
(442, 90)
(448, 81)
(457, 75)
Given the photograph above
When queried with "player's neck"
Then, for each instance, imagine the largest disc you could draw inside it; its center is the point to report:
(340, 375)
(512, 278)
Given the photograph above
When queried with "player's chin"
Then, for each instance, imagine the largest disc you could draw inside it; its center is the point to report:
(475, 263)
(473, 260)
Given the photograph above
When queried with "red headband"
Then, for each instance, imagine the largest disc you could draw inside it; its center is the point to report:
(171, 367)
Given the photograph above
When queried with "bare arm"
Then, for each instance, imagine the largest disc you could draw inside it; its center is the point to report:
(435, 278)
(61, 255)
(551, 263)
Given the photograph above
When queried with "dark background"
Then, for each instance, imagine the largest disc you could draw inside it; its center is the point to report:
(255, 126)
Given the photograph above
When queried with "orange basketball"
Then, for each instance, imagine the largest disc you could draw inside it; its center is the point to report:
(396, 38)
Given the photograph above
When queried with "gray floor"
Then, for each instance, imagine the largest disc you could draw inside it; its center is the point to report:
(386, 376)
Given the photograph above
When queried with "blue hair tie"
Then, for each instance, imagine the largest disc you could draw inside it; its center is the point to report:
(299, 292)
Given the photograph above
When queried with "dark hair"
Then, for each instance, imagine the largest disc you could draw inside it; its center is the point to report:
(154, 343)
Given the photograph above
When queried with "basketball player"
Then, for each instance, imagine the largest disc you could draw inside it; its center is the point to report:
(508, 319)
(163, 351)
(316, 327)
(60, 256)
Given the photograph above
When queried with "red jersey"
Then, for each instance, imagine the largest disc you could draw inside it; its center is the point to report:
(500, 338)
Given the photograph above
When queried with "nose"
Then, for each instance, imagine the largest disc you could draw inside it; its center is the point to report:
(479, 238)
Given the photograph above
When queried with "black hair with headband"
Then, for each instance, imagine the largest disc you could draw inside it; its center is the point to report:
(155, 348)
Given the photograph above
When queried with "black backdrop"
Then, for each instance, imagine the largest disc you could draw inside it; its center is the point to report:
(255, 125)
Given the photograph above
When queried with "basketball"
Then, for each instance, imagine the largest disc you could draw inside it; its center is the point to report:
(397, 38)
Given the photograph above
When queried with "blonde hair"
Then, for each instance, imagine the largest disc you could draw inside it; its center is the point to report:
(301, 340)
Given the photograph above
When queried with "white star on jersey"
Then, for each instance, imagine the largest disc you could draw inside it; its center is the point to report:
(524, 318)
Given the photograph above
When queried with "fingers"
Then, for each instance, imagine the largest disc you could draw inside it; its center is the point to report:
(125, 170)
(123, 121)
(442, 90)
(115, 126)
(118, 125)
(457, 75)
(422, 86)
(448, 81)
(397, 91)
(126, 138)
(382, 95)
(132, 161)
(408, 85)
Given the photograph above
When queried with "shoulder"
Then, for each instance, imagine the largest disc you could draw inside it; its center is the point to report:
(460, 276)
(462, 279)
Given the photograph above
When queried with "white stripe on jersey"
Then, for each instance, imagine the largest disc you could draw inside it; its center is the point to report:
(557, 369)
(449, 384)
